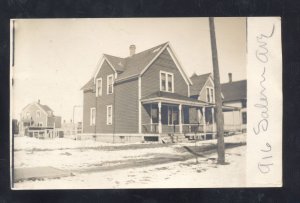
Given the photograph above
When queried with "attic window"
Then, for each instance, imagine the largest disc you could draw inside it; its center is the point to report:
(156, 50)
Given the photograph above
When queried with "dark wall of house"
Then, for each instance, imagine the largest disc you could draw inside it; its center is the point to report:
(89, 101)
(126, 107)
(103, 101)
(54, 119)
(150, 80)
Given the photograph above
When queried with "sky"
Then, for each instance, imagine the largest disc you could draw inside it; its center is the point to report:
(54, 58)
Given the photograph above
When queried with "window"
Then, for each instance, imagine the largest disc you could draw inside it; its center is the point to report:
(27, 115)
(109, 115)
(110, 84)
(40, 124)
(210, 95)
(244, 117)
(173, 116)
(92, 116)
(99, 87)
(166, 81)
(38, 113)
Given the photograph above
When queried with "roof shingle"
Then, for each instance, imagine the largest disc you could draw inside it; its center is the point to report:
(234, 91)
(198, 83)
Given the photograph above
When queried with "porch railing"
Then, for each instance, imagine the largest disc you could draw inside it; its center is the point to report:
(150, 128)
(192, 128)
(232, 127)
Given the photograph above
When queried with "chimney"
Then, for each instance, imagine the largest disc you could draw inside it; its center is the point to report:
(132, 50)
(230, 77)
(39, 101)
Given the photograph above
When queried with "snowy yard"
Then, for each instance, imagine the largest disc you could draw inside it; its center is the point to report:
(101, 165)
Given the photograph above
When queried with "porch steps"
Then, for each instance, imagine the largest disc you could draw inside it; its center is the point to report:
(173, 138)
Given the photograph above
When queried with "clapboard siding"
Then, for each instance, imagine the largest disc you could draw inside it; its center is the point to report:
(150, 80)
(103, 101)
(203, 91)
(89, 101)
(126, 107)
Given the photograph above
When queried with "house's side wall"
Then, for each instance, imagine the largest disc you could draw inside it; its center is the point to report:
(126, 107)
(32, 109)
(89, 101)
(104, 100)
(150, 80)
(232, 117)
(202, 96)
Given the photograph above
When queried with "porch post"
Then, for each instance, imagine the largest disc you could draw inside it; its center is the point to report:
(213, 118)
(204, 120)
(180, 121)
(159, 118)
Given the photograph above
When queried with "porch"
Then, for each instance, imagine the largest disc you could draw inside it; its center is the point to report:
(186, 116)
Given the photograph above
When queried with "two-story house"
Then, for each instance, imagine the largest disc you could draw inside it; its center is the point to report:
(39, 116)
(235, 96)
(145, 96)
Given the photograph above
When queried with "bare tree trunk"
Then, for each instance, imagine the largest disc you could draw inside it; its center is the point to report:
(218, 98)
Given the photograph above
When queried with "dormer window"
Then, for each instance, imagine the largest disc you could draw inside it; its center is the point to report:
(99, 87)
(166, 81)
(110, 82)
(210, 95)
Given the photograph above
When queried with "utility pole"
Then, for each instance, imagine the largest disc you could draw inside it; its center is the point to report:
(218, 112)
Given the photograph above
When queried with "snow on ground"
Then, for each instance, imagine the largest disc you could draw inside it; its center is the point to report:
(186, 174)
(81, 155)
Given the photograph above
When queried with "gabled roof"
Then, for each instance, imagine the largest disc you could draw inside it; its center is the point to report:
(45, 107)
(135, 65)
(234, 91)
(198, 83)
(89, 85)
(42, 107)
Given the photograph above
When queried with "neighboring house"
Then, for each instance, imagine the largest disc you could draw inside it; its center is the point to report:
(39, 116)
(235, 95)
(146, 95)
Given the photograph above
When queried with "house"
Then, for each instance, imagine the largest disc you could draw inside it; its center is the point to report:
(38, 116)
(146, 96)
(235, 95)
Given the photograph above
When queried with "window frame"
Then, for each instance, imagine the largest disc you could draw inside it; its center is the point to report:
(166, 81)
(211, 94)
(112, 84)
(109, 121)
(97, 87)
(92, 121)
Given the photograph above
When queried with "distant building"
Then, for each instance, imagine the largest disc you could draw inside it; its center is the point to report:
(235, 95)
(38, 115)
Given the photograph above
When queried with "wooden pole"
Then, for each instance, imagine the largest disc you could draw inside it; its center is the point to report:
(219, 113)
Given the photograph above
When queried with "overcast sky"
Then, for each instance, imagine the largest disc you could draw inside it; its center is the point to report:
(54, 58)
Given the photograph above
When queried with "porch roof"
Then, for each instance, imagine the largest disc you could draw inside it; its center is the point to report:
(172, 98)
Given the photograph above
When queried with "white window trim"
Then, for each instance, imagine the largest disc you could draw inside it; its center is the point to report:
(99, 93)
(211, 96)
(36, 114)
(91, 119)
(160, 81)
(109, 122)
(107, 84)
